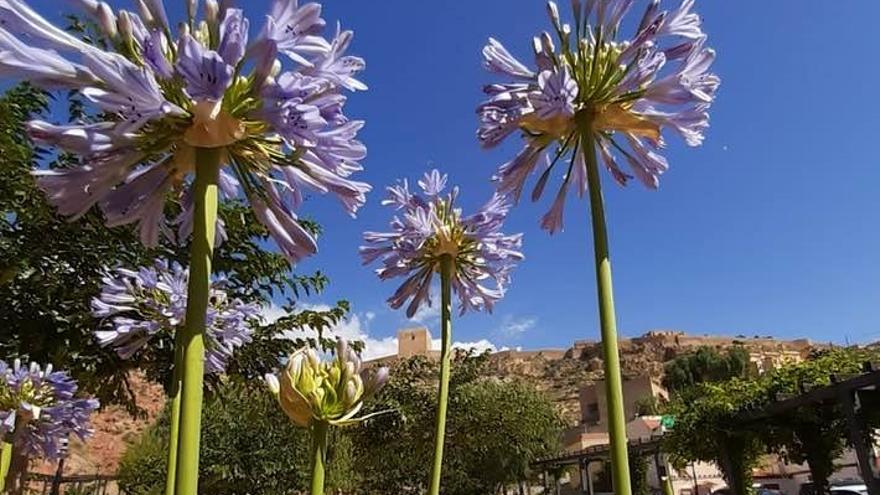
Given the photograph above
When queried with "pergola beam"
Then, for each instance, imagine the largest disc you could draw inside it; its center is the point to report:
(598, 453)
(849, 393)
(828, 393)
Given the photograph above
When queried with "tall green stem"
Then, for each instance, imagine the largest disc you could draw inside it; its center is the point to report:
(446, 266)
(319, 456)
(5, 461)
(201, 250)
(608, 322)
(174, 430)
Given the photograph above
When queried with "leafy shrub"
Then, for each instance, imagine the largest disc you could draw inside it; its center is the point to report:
(248, 447)
(494, 430)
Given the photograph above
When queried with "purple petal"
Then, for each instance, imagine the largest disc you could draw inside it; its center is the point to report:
(205, 72)
(233, 36)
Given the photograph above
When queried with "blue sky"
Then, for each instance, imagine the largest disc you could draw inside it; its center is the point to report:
(770, 228)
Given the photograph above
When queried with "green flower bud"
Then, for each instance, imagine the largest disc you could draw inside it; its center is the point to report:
(212, 12)
(145, 14)
(107, 20)
(331, 391)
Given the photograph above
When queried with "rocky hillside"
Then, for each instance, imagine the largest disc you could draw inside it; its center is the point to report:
(558, 373)
(114, 429)
(561, 374)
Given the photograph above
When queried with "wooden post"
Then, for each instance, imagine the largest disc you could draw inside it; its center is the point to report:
(589, 479)
(860, 439)
(582, 469)
(656, 457)
(668, 488)
(56, 480)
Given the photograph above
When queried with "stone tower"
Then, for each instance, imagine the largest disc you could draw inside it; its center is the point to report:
(413, 342)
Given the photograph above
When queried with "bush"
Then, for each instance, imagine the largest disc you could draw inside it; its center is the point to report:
(142, 469)
(708, 428)
(248, 447)
(494, 429)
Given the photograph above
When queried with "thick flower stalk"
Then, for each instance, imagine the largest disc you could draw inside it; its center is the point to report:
(318, 394)
(430, 235)
(38, 410)
(137, 306)
(595, 92)
(189, 114)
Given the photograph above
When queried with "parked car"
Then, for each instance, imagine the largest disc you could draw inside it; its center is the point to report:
(759, 490)
(851, 487)
(807, 489)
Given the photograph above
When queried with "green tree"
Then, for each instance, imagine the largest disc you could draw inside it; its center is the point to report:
(706, 430)
(815, 434)
(495, 429)
(650, 405)
(249, 447)
(638, 474)
(709, 424)
(706, 364)
(50, 270)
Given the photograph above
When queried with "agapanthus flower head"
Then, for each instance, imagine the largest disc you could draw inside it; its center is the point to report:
(331, 391)
(137, 305)
(281, 126)
(40, 408)
(429, 226)
(621, 92)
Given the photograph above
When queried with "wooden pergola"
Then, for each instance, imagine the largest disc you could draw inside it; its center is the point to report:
(855, 395)
(597, 453)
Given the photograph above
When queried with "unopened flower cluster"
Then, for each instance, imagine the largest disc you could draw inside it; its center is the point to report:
(137, 305)
(165, 90)
(39, 408)
(429, 226)
(589, 81)
(331, 391)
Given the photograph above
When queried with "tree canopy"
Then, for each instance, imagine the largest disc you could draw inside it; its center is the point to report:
(706, 364)
(708, 425)
(495, 429)
(248, 447)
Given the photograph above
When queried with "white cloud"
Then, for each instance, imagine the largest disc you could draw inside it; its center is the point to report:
(515, 327)
(479, 346)
(356, 327)
(272, 313)
(428, 313)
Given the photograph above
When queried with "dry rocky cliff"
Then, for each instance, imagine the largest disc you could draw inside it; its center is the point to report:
(558, 373)
(561, 374)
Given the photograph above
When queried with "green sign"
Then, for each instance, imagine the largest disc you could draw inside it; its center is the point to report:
(667, 422)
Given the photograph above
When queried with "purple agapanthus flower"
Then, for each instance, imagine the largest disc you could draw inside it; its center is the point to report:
(40, 409)
(428, 226)
(622, 93)
(137, 305)
(281, 124)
